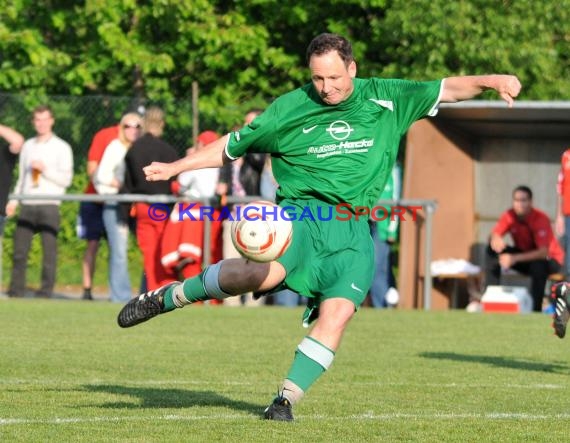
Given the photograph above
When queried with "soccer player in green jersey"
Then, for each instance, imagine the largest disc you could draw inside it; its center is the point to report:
(332, 142)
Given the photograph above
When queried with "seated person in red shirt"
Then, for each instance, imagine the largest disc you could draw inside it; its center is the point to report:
(536, 251)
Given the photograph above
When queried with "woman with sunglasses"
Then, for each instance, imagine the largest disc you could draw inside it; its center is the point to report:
(108, 179)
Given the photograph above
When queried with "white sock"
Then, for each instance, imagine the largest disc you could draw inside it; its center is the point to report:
(291, 391)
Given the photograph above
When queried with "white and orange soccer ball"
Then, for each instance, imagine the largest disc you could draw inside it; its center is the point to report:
(261, 231)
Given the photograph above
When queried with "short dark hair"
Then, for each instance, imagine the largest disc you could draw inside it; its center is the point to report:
(42, 108)
(327, 42)
(525, 189)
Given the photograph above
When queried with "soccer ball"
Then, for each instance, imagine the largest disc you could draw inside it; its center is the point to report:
(260, 233)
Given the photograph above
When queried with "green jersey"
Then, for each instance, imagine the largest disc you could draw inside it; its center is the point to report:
(337, 153)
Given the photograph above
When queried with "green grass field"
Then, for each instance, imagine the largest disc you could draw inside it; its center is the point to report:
(68, 373)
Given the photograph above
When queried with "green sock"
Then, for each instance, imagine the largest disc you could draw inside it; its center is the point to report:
(193, 289)
(304, 371)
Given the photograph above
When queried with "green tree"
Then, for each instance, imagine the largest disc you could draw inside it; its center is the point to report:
(151, 50)
(433, 39)
(244, 53)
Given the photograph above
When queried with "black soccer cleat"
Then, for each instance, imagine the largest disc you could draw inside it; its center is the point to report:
(279, 410)
(561, 314)
(144, 307)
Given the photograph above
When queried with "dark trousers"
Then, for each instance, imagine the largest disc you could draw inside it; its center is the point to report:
(42, 219)
(537, 270)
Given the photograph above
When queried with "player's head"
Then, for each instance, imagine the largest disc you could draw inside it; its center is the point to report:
(332, 66)
(522, 200)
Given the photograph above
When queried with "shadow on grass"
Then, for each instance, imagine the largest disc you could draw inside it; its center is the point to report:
(171, 398)
(503, 362)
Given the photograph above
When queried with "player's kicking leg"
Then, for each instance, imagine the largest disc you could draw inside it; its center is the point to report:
(559, 296)
(238, 276)
(145, 306)
(204, 286)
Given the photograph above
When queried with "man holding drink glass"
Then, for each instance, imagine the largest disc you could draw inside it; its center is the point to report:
(45, 168)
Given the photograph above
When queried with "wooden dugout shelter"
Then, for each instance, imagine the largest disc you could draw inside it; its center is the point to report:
(469, 158)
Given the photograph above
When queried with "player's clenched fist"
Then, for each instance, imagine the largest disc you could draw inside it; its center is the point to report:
(508, 88)
(158, 171)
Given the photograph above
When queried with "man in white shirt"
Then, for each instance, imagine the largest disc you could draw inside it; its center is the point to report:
(45, 168)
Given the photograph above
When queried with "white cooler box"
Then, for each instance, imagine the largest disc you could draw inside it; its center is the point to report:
(511, 299)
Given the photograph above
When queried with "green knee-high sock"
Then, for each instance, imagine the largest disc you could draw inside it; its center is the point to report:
(306, 369)
(193, 291)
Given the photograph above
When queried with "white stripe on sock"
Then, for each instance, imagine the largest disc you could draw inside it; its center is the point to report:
(317, 352)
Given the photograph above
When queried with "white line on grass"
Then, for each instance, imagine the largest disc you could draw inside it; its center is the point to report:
(366, 416)
(538, 386)
(458, 416)
(114, 382)
(168, 382)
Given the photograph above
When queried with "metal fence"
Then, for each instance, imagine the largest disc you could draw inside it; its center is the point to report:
(428, 209)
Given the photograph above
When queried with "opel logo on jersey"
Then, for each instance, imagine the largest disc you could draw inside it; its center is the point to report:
(339, 130)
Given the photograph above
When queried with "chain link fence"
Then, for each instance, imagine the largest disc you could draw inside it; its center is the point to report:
(77, 119)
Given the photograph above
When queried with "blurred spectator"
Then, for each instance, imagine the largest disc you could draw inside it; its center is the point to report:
(563, 208)
(267, 184)
(536, 251)
(8, 153)
(183, 241)
(45, 168)
(90, 226)
(11, 143)
(288, 298)
(241, 178)
(108, 179)
(149, 231)
(384, 234)
(268, 188)
(200, 183)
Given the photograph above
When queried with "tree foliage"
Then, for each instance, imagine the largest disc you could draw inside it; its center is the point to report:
(527, 38)
(243, 53)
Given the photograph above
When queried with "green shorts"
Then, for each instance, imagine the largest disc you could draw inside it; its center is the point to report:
(327, 257)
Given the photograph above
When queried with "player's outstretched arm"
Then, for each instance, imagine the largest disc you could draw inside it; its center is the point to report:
(210, 156)
(463, 88)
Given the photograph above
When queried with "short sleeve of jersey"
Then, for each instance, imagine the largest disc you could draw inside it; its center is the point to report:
(411, 100)
(259, 136)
